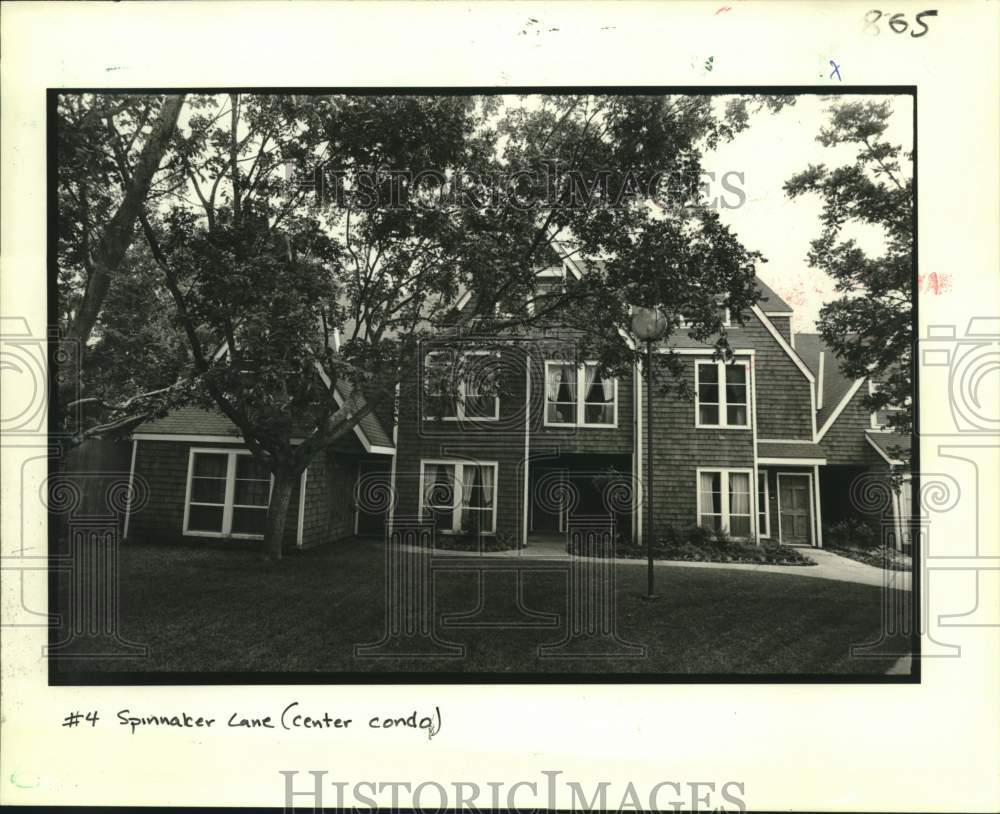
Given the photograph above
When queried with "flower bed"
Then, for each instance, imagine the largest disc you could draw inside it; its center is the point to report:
(881, 557)
(475, 542)
(699, 545)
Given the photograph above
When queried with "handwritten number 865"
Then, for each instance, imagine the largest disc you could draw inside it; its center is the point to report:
(897, 22)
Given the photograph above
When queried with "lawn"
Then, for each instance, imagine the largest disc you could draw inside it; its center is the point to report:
(203, 608)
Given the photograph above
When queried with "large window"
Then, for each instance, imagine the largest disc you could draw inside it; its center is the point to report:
(227, 494)
(460, 496)
(722, 394)
(462, 388)
(576, 395)
(724, 501)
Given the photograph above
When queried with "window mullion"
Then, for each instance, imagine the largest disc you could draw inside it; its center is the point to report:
(227, 511)
(724, 501)
(720, 375)
(457, 499)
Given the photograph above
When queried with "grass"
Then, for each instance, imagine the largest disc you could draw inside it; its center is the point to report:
(204, 608)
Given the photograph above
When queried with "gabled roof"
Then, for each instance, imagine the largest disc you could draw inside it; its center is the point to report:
(195, 421)
(835, 384)
(890, 445)
(770, 303)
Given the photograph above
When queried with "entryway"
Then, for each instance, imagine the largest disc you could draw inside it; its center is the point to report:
(794, 508)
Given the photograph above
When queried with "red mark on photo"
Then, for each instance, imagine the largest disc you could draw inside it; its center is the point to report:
(934, 283)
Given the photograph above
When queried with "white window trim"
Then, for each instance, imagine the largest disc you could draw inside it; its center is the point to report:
(727, 320)
(874, 426)
(456, 502)
(228, 500)
(581, 401)
(550, 273)
(725, 472)
(460, 400)
(723, 413)
(765, 533)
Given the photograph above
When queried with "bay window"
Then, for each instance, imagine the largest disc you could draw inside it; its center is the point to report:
(722, 394)
(576, 395)
(724, 501)
(227, 494)
(459, 496)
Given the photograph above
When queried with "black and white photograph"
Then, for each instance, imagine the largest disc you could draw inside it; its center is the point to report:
(500, 406)
(483, 386)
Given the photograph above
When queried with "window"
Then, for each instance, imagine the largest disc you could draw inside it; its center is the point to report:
(474, 397)
(722, 394)
(880, 417)
(459, 496)
(724, 501)
(565, 382)
(727, 320)
(227, 494)
(763, 494)
(550, 284)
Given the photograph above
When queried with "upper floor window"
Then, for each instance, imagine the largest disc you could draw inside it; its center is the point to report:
(880, 417)
(462, 388)
(550, 284)
(722, 394)
(727, 321)
(576, 395)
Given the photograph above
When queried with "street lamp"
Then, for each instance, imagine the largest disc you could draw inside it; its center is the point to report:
(648, 325)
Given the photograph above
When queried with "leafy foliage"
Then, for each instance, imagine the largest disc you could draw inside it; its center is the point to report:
(869, 325)
(310, 244)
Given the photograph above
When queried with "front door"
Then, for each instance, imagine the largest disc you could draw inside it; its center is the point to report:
(793, 508)
(548, 488)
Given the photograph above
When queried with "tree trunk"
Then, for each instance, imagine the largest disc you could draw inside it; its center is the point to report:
(117, 235)
(277, 513)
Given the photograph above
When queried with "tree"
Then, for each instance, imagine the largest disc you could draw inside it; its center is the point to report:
(98, 209)
(869, 327)
(321, 292)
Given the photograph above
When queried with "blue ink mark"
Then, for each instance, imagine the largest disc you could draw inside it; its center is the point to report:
(836, 70)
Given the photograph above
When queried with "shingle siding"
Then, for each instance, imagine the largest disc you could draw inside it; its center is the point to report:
(501, 441)
(680, 449)
(164, 467)
(845, 442)
(328, 512)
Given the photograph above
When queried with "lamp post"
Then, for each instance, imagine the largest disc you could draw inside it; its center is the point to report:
(649, 325)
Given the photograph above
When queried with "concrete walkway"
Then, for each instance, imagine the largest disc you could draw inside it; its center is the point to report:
(828, 565)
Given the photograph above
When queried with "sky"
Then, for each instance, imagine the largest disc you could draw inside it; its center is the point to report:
(773, 148)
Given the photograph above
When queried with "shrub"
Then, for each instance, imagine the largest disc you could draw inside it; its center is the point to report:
(854, 532)
(699, 536)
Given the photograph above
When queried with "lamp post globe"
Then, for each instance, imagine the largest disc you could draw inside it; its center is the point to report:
(648, 324)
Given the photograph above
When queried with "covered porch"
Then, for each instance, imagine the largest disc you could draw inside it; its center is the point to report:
(573, 489)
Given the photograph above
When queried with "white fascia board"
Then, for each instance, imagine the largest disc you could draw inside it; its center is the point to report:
(840, 408)
(784, 345)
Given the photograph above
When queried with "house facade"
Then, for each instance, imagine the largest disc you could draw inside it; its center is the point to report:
(766, 450)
